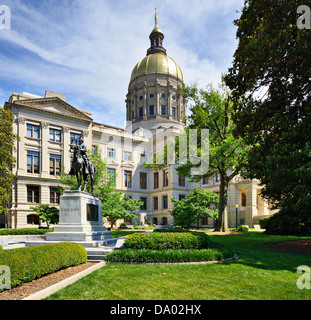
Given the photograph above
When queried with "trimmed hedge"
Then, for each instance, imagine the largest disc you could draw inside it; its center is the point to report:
(172, 229)
(25, 231)
(27, 264)
(165, 256)
(1, 249)
(167, 240)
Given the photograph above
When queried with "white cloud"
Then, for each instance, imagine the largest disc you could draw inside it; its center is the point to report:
(87, 49)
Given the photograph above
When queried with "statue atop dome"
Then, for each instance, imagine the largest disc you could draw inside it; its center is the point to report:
(156, 18)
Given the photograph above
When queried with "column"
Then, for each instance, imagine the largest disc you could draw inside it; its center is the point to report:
(251, 203)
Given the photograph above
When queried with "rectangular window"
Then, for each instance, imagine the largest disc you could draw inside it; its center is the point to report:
(151, 110)
(155, 203)
(55, 135)
(163, 110)
(141, 112)
(33, 162)
(156, 180)
(111, 175)
(182, 197)
(164, 202)
(144, 205)
(54, 196)
(205, 181)
(33, 131)
(174, 112)
(33, 194)
(181, 181)
(75, 136)
(55, 164)
(165, 178)
(128, 179)
(143, 180)
(127, 156)
(111, 153)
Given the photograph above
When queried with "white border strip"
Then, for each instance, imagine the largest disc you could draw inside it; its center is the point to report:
(64, 283)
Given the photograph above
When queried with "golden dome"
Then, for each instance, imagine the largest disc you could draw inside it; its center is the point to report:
(157, 63)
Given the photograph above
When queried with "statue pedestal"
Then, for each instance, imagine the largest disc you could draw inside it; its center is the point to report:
(80, 219)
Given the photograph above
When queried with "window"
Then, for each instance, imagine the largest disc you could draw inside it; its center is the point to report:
(143, 180)
(182, 197)
(141, 112)
(127, 156)
(155, 203)
(205, 181)
(33, 162)
(75, 136)
(55, 135)
(174, 112)
(111, 153)
(94, 150)
(33, 194)
(243, 199)
(151, 96)
(33, 131)
(144, 205)
(163, 110)
(111, 173)
(54, 196)
(181, 181)
(55, 164)
(155, 221)
(173, 98)
(164, 221)
(141, 98)
(128, 179)
(151, 110)
(156, 180)
(33, 219)
(164, 202)
(163, 96)
(165, 178)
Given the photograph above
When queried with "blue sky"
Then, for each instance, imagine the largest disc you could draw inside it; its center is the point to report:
(86, 49)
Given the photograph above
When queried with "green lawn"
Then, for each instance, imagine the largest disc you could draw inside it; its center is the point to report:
(260, 273)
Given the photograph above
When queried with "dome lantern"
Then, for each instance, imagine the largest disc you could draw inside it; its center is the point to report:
(156, 38)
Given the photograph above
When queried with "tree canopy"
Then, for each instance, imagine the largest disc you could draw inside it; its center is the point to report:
(271, 90)
(7, 160)
(199, 204)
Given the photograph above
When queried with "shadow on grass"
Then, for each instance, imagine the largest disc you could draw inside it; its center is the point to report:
(252, 251)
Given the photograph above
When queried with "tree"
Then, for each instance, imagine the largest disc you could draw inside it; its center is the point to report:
(212, 109)
(7, 160)
(199, 204)
(115, 205)
(271, 90)
(47, 214)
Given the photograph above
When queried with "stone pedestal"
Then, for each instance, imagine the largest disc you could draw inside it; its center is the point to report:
(80, 219)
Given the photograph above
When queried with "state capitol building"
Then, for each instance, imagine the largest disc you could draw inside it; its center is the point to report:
(48, 125)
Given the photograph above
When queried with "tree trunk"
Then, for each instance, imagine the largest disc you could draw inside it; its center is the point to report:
(222, 222)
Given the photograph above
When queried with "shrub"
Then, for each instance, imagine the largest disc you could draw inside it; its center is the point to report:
(287, 223)
(242, 229)
(27, 264)
(25, 231)
(168, 240)
(172, 229)
(1, 249)
(163, 256)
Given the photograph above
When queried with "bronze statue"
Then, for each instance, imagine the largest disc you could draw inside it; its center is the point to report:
(82, 166)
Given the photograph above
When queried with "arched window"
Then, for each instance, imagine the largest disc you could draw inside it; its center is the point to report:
(33, 219)
(243, 199)
(155, 220)
(164, 221)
